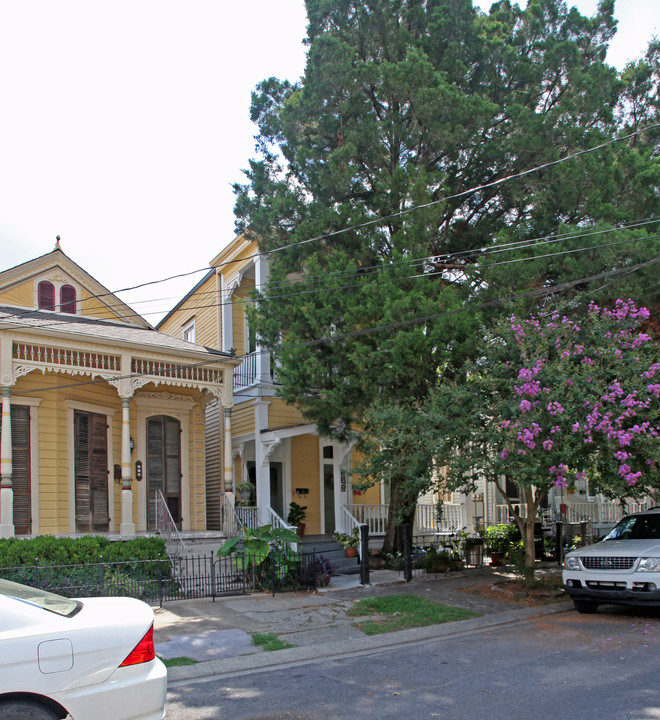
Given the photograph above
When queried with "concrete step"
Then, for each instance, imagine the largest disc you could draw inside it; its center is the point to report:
(327, 546)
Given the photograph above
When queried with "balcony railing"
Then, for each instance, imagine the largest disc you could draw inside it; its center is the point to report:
(246, 373)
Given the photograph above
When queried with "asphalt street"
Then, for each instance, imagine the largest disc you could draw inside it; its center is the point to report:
(559, 666)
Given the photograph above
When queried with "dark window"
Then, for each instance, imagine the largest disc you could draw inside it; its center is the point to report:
(46, 295)
(68, 299)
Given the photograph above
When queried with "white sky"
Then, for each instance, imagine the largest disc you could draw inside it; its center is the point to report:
(124, 123)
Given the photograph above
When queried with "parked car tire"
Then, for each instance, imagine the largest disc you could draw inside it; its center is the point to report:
(25, 710)
(585, 606)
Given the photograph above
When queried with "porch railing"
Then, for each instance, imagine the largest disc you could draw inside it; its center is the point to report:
(246, 373)
(166, 527)
(276, 521)
(426, 518)
(604, 512)
(453, 518)
(246, 516)
(373, 516)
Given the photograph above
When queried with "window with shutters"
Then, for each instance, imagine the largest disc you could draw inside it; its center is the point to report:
(46, 295)
(20, 480)
(68, 299)
(91, 472)
(164, 466)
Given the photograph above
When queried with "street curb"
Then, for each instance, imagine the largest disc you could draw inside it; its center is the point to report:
(324, 651)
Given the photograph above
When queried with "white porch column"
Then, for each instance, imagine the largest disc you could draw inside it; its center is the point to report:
(261, 461)
(127, 526)
(6, 469)
(227, 322)
(261, 275)
(228, 454)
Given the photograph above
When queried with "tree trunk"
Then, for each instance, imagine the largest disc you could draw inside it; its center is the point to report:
(399, 513)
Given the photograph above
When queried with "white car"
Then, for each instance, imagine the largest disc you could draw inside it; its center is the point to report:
(90, 659)
(623, 569)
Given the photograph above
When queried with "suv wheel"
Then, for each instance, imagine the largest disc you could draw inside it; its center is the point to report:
(585, 606)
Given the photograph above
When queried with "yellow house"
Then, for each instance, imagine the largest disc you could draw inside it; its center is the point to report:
(103, 417)
(278, 457)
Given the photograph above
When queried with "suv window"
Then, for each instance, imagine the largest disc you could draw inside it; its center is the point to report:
(637, 527)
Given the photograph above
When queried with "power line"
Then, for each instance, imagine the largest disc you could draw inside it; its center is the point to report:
(422, 275)
(406, 211)
(537, 292)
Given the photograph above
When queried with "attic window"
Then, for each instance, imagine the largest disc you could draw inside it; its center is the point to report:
(68, 299)
(46, 295)
(188, 332)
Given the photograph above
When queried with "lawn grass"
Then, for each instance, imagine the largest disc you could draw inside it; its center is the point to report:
(178, 661)
(400, 612)
(269, 642)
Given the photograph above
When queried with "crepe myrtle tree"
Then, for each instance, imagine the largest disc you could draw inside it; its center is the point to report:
(554, 400)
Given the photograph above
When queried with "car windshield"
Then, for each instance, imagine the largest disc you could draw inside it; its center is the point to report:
(637, 527)
(41, 598)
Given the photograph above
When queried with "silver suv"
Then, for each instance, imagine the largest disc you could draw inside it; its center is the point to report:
(624, 568)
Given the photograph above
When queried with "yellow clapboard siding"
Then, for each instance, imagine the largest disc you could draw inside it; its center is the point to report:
(242, 419)
(20, 295)
(282, 415)
(305, 474)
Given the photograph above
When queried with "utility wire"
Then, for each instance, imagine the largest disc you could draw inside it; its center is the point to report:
(422, 275)
(537, 292)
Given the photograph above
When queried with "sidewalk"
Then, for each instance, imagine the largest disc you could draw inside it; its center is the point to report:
(218, 634)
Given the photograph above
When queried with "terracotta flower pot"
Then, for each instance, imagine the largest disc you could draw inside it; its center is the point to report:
(351, 552)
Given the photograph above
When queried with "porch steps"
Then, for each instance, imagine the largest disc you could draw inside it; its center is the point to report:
(328, 547)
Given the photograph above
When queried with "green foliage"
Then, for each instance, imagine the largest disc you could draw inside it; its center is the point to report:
(409, 105)
(267, 552)
(400, 612)
(500, 538)
(49, 550)
(348, 541)
(269, 642)
(297, 513)
(436, 561)
(178, 661)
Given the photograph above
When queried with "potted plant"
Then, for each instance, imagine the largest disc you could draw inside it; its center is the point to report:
(244, 491)
(297, 513)
(499, 539)
(349, 542)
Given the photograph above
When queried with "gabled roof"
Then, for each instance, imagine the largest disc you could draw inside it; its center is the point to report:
(57, 259)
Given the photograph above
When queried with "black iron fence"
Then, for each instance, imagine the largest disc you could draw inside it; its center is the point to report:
(166, 579)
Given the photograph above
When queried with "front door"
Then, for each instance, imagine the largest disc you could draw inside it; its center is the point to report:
(91, 472)
(328, 489)
(164, 466)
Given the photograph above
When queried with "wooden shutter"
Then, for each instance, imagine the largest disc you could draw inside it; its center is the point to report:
(68, 299)
(91, 472)
(213, 466)
(20, 479)
(46, 294)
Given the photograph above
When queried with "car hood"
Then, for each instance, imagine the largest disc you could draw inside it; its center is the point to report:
(622, 548)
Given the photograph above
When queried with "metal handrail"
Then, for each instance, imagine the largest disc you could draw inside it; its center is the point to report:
(165, 525)
(277, 522)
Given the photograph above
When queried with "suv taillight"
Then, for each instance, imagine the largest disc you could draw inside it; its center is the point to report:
(144, 651)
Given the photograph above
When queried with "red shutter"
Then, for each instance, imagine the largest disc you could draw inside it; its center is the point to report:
(68, 299)
(46, 295)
